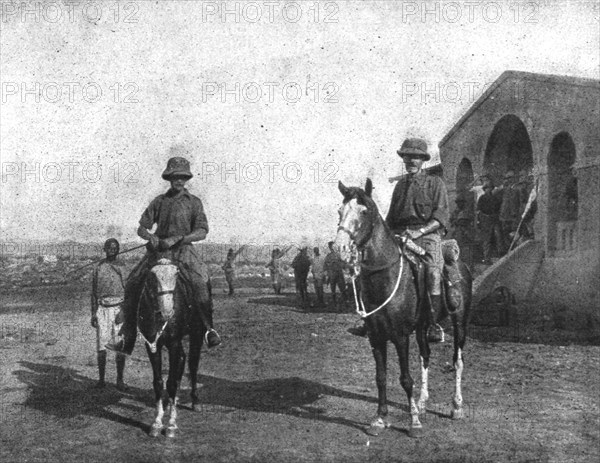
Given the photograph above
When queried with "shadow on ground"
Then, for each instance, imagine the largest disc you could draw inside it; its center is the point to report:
(65, 394)
(292, 301)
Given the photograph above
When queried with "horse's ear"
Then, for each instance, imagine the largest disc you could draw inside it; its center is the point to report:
(369, 187)
(343, 189)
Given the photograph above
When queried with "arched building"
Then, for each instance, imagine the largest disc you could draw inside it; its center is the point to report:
(550, 125)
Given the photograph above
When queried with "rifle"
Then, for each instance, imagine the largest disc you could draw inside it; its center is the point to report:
(104, 259)
(530, 200)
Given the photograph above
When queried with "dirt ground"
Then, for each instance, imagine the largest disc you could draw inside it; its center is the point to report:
(287, 385)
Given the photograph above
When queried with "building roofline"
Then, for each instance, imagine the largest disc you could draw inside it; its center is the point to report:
(551, 78)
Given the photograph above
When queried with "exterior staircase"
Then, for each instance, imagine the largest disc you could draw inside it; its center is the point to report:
(517, 271)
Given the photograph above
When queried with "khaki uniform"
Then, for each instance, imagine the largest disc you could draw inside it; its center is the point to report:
(418, 199)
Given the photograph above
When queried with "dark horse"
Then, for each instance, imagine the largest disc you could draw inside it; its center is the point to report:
(392, 298)
(165, 315)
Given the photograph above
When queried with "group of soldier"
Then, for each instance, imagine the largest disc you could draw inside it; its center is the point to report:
(503, 217)
(325, 269)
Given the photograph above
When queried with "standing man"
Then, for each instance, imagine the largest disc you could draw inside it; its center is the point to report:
(318, 271)
(510, 207)
(229, 268)
(108, 292)
(461, 221)
(334, 266)
(528, 205)
(419, 210)
(301, 266)
(488, 222)
(275, 268)
(180, 221)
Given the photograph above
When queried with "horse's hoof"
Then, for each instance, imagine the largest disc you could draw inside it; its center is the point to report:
(377, 427)
(415, 433)
(457, 414)
(170, 432)
(155, 431)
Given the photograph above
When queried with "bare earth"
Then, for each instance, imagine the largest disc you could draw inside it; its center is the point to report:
(286, 385)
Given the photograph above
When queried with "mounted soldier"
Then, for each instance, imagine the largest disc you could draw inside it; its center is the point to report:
(419, 211)
(181, 221)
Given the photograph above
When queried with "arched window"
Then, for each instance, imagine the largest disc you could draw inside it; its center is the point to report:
(508, 147)
(563, 197)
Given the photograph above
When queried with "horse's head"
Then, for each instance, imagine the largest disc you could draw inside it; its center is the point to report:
(357, 218)
(163, 278)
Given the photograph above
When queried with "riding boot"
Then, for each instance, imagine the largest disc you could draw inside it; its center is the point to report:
(211, 337)
(358, 330)
(101, 368)
(435, 333)
(120, 359)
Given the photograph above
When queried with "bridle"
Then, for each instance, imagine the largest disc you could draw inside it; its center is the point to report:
(357, 257)
(153, 345)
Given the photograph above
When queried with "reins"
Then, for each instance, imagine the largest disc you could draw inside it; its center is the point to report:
(151, 345)
(358, 300)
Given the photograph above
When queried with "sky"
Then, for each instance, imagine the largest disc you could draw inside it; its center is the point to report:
(272, 102)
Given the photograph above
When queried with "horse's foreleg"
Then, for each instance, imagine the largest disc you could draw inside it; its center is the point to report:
(424, 394)
(156, 362)
(176, 367)
(425, 352)
(193, 361)
(459, 343)
(380, 422)
(407, 384)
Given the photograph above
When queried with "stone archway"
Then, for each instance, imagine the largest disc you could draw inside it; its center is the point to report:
(509, 147)
(562, 195)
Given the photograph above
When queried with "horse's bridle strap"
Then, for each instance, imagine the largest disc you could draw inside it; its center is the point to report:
(346, 230)
(164, 293)
(360, 305)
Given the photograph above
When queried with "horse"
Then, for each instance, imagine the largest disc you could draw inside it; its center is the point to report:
(165, 315)
(392, 298)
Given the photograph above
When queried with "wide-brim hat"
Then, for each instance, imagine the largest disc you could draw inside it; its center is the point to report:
(414, 147)
(177, 166)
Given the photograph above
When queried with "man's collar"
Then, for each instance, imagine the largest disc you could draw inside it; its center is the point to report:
(418, 176)
(171, 193)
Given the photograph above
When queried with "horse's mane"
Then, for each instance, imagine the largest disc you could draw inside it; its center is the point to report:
(354, 192)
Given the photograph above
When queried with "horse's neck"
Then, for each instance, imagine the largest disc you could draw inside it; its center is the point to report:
(381, 249)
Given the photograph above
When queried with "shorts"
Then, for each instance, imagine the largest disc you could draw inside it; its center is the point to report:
(107, 331)
(432, 243)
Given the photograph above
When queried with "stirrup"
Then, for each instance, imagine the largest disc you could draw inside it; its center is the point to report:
(212, 330)
(206, 335)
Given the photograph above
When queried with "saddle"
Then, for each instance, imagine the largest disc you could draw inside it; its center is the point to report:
(451, 276)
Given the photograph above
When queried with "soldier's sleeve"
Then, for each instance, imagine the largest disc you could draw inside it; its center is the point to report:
(390, 215)
(150, 215)
(199, 220)
(440, 202)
